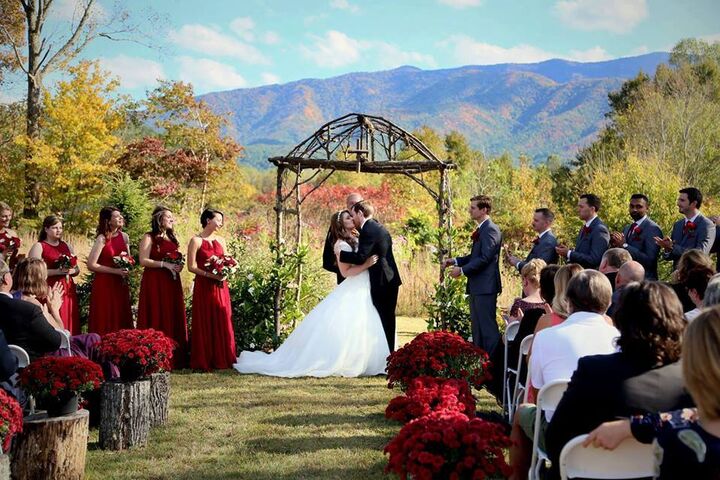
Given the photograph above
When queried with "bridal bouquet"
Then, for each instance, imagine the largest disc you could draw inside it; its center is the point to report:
(175, 258)
(124, 260)
(438, 354)
(426, 395)
(448, 445)
(222, 265)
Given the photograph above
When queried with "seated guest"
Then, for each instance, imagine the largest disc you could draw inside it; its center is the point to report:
(696, 283)
(630, 272)
(8, 361)
(644, 376)
(559, 307)
(24, 323)
(556, 352)
(712, 292)
(688, 441)
(612, 260)
(689, 260)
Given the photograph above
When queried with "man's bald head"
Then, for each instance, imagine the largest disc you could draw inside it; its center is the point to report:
(631, 271)
(352, 199)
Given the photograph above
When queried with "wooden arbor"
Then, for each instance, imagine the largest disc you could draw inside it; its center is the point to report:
(360, 143)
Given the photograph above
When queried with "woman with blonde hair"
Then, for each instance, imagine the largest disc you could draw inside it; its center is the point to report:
(559, 310)
(30, 283)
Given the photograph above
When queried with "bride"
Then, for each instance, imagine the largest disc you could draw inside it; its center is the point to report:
(341, 336)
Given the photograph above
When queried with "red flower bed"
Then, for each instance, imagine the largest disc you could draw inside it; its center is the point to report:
(11, 419)
(429, 394)
(55, 377)
(447, 445)
(138, 353)
(438, 354)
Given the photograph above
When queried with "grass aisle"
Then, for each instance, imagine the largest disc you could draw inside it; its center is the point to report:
(230, 426)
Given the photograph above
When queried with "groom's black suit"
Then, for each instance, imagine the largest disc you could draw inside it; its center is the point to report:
(384, 276)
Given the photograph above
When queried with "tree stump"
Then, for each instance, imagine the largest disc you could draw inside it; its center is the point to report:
(124, 415)
(5, 467)
(53, 447)
(159, 397)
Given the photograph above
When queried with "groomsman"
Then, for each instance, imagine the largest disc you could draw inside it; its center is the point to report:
(329, 261)
(638, 238)
(482, 269)
(593, 238)
(716, 245)
(693, 231)
(543, 245)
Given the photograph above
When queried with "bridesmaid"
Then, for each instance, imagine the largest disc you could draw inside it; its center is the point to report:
(212, 344)
(162, 305)
(50, 247)
(110, 294)
(9, 240)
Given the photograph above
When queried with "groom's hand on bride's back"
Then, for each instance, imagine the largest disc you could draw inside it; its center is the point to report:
(372, 260)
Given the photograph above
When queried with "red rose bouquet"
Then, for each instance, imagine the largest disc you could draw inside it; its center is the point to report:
(175, 258)
(222, 265)
(438, 354)
(66, 262)
(58, 377)
(9, 244)
(429, 394)
(138, 353)
(124, 260)
(11, 419)
(447, 445)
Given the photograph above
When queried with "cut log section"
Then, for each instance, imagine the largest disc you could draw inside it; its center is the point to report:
(124, 415)
(159, 398)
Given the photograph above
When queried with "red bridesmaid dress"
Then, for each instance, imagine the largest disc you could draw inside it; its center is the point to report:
(70, 309)
(162, 304)
(110, 295)
(212, 344)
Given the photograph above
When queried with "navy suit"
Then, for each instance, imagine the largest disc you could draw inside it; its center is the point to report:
(482, 269)
(544, 249)
(642, 246)
(701, 237)
(590, 247)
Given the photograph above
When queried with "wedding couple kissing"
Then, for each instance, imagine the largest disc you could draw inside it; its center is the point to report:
(350, 332)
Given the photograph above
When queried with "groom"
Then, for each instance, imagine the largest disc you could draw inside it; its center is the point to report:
(384, 276)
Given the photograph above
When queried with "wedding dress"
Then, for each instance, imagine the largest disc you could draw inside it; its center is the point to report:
(341, 336)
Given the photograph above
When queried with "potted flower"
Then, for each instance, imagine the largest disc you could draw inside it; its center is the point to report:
(11, 419)
(429, 394)
(448, 445)
(438, 354)
(138, 353)
(56, 382)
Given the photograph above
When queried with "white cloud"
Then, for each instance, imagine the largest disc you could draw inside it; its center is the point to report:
(269, 78)
(271, 38)
(391, 56)
(199, 38)
(206, 74)
(461, 3)
(243, 27)
(71, 10)
(344, 5)
(467, 51)
(617, 16)
(713, 38)
(134, 72)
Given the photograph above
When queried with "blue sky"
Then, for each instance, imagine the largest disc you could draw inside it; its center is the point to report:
(226, 44)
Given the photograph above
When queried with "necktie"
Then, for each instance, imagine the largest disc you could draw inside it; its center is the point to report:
(630, 231)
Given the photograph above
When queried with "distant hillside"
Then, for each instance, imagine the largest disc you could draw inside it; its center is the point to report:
(538, 109)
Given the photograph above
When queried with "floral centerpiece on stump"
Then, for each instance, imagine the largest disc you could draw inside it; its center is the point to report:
(448, 445)
(56, 382)
(138, 353)
(429, 394)
(438, 354)
(11, 419)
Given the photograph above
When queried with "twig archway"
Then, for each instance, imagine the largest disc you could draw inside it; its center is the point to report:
(357, 143)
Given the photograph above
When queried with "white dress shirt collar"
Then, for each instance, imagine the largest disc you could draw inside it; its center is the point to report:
(639, 222)
(587, 224)
(544, 232)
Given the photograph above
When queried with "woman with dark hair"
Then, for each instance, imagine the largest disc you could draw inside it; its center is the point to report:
(341, 336)
(689, 260)
(212, 344)
(9, 239)
(162, 305)
(61, 268)
(644, 376)
(110, 295)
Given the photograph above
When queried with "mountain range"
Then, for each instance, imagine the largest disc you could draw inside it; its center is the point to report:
(535, 109)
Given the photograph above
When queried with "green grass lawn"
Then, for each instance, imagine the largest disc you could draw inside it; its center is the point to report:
(226, 426)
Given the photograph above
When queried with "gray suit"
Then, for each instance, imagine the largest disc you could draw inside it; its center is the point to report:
(482, 269)
(544, 249)
(701, 238)
(642, 246)
(590, 247)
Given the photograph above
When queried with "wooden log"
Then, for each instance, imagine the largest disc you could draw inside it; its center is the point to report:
(159, 398)
(5, 467)
(53, 447)
(124, 415)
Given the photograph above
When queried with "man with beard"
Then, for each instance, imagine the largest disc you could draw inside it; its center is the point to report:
(638, 238)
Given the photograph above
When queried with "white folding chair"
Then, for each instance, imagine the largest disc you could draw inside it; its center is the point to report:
(23, 360)
(519, 386)
(511, 331)
(65, 341)
(548, 398)
(631, 459)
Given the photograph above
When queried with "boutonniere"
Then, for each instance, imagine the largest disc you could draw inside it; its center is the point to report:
(586, 230)
(689, 227)
(475, 235)
(636, 232)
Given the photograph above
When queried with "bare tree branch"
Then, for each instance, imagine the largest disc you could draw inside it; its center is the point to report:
(19, 59)
(63, 52)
